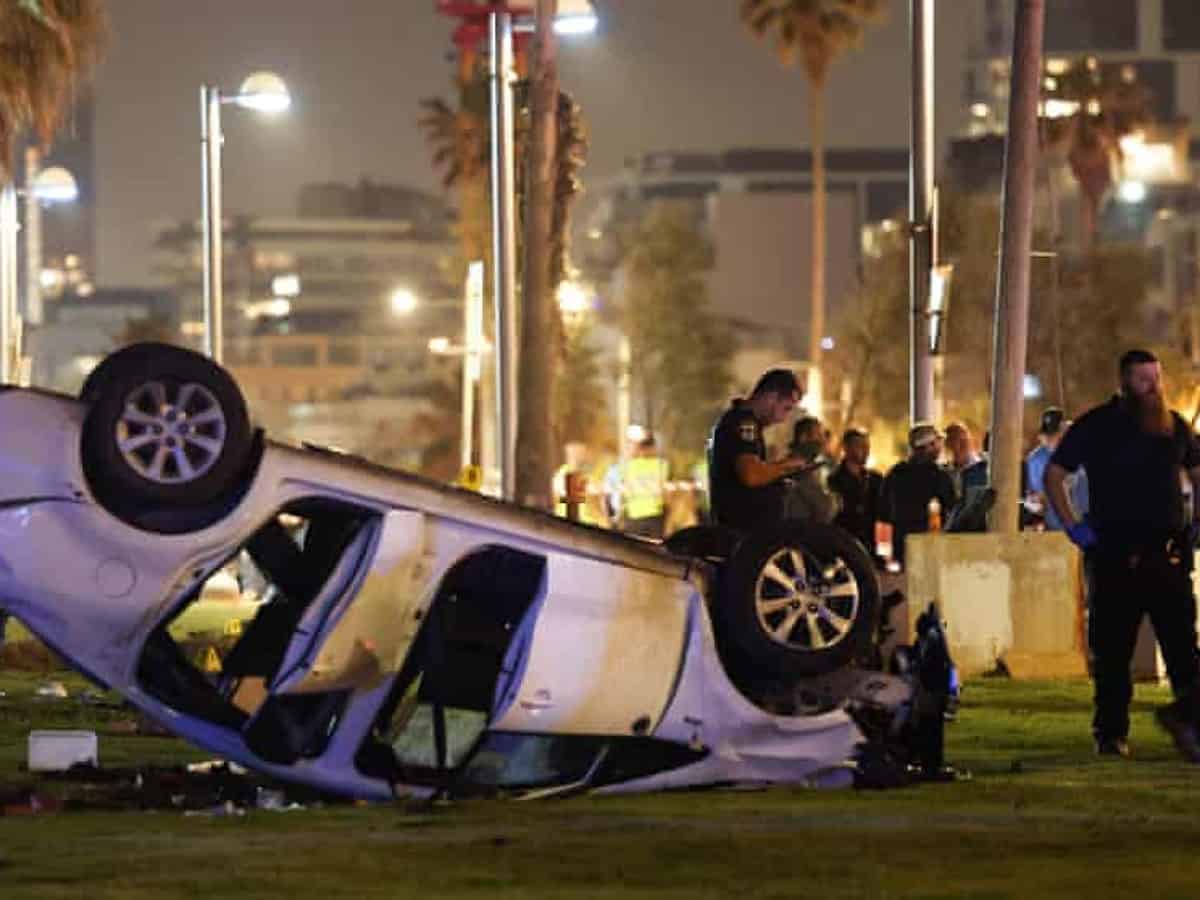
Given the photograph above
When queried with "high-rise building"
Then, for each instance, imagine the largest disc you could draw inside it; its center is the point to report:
(755, 206)
(1158, 39)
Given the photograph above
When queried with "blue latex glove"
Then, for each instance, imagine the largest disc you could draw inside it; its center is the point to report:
(1083, 535)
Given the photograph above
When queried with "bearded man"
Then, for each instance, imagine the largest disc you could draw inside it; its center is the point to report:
(1137, 540)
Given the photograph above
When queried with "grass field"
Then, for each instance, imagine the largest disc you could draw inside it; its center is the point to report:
(1041, 816)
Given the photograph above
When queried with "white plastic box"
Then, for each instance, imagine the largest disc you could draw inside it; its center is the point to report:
(57, 751)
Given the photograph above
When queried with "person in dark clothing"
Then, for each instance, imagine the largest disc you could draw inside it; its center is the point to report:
(1138, 538)
(912, 484)
(807, 496)
(858, 488)
(746, 490)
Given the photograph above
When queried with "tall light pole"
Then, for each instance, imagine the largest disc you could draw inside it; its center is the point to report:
(920, 211)
(574, 17)
(504, 243)
(263, 92)
(51, 185)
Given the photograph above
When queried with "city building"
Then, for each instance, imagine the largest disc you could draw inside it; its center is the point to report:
(1154, 198)
(754, 205)
(331, 310)
(1158, 39)
(80, 329)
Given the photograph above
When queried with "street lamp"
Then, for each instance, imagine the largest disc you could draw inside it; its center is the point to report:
(48, 186)
(577, 17)
(262, 92)
(403, 301)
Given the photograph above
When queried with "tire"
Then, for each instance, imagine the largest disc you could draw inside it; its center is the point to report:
(798, 600)
(166, 429)
(122, 358)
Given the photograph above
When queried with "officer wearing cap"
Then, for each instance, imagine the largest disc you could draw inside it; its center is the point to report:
(1137, 539)
(745, 489)
(912, 484)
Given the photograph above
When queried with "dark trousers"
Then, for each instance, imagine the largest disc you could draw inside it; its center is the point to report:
(1122, 588)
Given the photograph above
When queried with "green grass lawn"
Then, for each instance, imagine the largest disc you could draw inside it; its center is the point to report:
(1041, 817)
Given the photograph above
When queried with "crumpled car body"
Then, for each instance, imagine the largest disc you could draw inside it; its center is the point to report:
(408, 638)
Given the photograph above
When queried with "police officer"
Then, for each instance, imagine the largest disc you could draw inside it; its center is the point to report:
(858, 488)
(745, 490)
(913, 484)
(1137, 543)
(644, 485)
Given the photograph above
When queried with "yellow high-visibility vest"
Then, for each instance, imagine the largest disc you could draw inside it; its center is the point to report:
(644, 483)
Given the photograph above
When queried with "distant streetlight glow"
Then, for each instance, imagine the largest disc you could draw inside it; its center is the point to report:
(575, 25)
(55, 185)
(1055, 108)
(573, 298)
(1132, 192)
(574, 18)
(263, 92)
(403, 301)
(286, 285)
(276, 308)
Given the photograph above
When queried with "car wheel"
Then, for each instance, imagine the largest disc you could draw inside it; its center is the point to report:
(101, 374)
(798, 600)
(166, 427)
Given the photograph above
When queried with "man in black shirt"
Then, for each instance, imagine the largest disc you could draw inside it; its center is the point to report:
(745, 489)
(858, 488)
(1137, 543)
(912, 484)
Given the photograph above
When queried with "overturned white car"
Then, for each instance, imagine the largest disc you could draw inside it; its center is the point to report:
(413, 638)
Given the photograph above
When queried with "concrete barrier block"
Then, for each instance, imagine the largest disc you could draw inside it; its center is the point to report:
(1015, 598)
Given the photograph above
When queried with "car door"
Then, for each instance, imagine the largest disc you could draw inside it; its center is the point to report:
(604, 654)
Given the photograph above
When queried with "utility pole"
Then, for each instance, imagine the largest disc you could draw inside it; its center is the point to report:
(920, 210)
(1016, 246)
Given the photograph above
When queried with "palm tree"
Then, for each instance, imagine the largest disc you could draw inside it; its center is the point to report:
(540, 325)
(1109, 104)
(46, 48)
(460, 144)
(815, 33)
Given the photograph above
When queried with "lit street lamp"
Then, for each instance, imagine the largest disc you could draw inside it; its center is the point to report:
(498, 21)
(48, 186)
(578, 18)
(403, 301)
(262, 92)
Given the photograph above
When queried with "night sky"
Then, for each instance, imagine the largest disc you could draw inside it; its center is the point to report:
(662, 74)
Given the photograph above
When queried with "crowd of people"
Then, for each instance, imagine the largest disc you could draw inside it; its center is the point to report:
(1119, 483)
(942, 482)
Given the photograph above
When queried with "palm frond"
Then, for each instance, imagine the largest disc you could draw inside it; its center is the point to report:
(815, 32)
(47, 48)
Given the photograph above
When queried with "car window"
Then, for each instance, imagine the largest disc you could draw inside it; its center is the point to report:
(217, 653)
(508, 761)
(440, 703)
